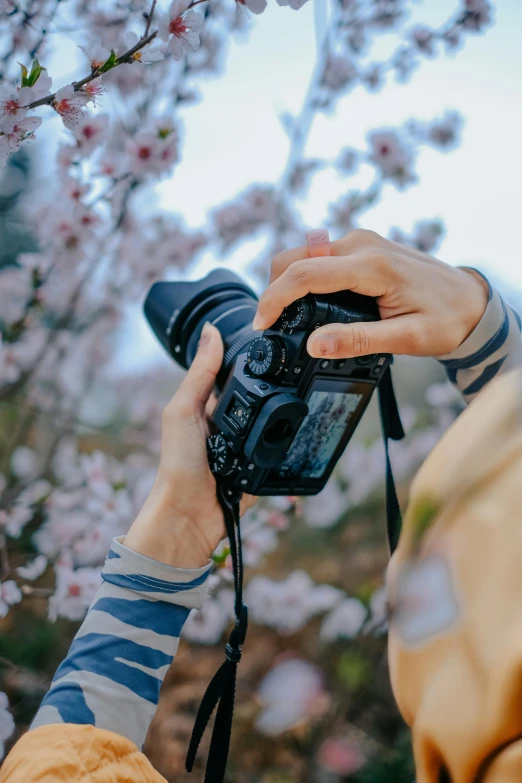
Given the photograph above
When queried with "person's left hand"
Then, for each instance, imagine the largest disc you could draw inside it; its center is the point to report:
(181, 522)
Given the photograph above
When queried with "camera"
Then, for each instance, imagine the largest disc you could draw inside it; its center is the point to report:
(283, 418)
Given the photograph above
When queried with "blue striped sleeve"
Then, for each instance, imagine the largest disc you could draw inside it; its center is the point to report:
(494, 347)
(114, 669)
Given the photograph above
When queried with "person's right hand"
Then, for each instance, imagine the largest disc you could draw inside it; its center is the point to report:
(427, 308)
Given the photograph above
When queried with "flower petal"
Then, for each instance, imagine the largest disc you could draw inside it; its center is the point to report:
(175, 48)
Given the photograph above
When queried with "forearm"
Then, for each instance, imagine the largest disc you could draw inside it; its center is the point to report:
(112, 675)
(494, 347)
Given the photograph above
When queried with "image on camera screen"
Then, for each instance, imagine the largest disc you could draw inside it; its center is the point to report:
(319, 434)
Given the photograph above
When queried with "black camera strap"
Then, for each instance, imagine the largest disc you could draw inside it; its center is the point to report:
(222, 688)
(391, 429)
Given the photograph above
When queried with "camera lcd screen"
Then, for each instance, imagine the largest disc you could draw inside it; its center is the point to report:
(320, 433)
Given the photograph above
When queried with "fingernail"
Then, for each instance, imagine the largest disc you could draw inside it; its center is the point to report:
(322, 344)
(206, 334)
(318, 242)
(256, 323)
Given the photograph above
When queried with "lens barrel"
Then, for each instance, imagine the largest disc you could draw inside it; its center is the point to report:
(177, 311)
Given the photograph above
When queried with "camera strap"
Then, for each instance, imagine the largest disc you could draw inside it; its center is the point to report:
(222, 688)
(391, 429)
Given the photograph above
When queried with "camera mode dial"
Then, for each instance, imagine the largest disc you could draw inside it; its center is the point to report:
(221, 458)
(266, 356)
(297, 315)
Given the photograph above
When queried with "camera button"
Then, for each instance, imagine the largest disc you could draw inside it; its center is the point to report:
(339, 364)
(324, 364)
(263, 386)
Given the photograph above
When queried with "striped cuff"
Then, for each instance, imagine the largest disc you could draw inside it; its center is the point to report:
(112, 675)
(493, 347)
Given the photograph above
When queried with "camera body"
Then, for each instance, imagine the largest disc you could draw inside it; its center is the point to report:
(282, 418)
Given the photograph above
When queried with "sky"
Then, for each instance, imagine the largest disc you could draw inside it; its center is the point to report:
(234, 137)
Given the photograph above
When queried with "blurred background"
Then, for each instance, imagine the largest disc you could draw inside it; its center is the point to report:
(398, 116)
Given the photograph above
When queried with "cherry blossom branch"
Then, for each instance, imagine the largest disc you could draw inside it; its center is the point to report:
(126, 57)
(149, 18)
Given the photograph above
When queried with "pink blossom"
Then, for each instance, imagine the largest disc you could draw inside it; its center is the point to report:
(339, 72)
(391, 156)
(90, 132)
(423, 38)
(152, 153)
(69, 104)
(340, 757)
(444, 132)
(181, 29)
(94, 90)
(373, 77)
(477, 15)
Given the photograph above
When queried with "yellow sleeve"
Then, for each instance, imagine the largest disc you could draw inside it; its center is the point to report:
(76, 754)
(455, 594)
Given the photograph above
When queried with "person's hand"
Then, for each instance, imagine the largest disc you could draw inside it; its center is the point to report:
(181, 522)
(427, 307)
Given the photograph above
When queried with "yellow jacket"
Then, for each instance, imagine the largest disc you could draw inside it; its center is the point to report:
(455, 591)
(76, 754)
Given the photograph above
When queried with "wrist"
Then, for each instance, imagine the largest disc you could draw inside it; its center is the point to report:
(161, 532)
(476, 300)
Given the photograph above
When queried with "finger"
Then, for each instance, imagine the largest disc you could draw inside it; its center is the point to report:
(195, 391)
(400, 335)
(247, 502)
(367, 273)
(211, 405)
(354, 242)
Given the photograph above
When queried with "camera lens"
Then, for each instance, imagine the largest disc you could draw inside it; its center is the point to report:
(177, 311)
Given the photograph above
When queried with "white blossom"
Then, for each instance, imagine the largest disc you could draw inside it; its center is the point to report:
(325, 508)
(206, 625)
(10, 594)
(289, 694)
(90, 132)
(288, 605)
(344, 621)
(75, 590)
(147, 54)
(181, 29)
(24, 463)
(96, 54)
(34, 569)
(258, 6)
(294, 4)
(69, 104)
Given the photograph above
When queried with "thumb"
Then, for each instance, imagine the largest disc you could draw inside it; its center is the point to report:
(194, 392)
(398, 335)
